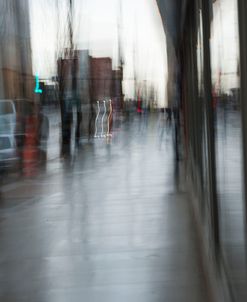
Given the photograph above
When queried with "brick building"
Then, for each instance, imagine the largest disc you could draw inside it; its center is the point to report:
(101, 78)
(16, 79)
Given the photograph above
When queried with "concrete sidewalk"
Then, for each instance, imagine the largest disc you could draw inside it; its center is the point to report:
(108, 225)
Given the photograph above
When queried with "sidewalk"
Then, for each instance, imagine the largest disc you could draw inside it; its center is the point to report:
(108, 226)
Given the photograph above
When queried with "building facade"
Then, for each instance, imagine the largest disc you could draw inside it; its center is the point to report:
(16, 79)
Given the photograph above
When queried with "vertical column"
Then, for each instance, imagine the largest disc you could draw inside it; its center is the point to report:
(206, 5)
(242, 13)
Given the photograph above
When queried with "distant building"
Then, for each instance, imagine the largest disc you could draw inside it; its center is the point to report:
(49, 94)
(94, 80)
(84, 80)
(83, 76)
(105, 82)
(74, 75)
(117, 88)
(101, 78)
(67, 76)
(84, 91)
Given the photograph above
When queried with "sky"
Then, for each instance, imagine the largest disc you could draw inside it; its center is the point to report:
(97, 25)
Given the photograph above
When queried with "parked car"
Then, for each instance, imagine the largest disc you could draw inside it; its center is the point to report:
(7, 117)
(13, 123)
(8, 152)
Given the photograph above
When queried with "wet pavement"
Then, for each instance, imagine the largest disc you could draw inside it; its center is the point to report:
(231, 199)
(109, 223)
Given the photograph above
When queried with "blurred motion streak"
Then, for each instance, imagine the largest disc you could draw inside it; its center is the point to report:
(116, 119)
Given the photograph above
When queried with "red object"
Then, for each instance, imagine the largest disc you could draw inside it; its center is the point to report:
(30, 151)
(139, 103)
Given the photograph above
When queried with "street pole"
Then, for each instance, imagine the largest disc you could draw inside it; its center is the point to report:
(242, 11)
(210, 125)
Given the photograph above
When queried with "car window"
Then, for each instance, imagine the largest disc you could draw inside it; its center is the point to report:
(4, 142)
(6, 108)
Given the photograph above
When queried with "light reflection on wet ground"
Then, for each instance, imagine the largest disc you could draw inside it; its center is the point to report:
(107, 224)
